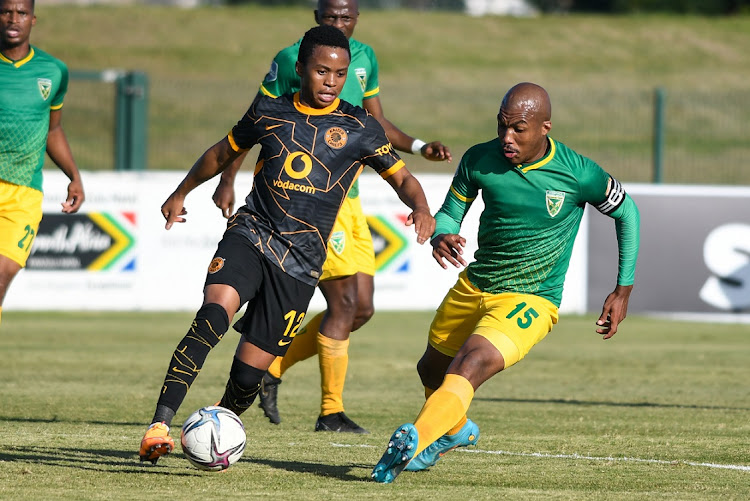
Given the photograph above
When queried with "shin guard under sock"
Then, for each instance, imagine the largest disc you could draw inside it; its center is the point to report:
(209, 326)
(443, 409)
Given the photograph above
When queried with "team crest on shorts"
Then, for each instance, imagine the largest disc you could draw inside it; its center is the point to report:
(216, 264)
(336, 137)
(337, 242)
(555, 201)
(45, 87)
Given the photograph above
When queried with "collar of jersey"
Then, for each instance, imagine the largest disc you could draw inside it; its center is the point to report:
(20, 62)
(314, 111)
(542, 161)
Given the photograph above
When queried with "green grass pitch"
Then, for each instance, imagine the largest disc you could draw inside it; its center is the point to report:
(662, 409)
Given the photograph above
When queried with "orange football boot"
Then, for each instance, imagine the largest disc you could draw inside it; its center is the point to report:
(156, 443)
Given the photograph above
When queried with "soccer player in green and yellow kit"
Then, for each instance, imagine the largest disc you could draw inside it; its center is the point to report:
(347, 282)
(32, 89)
(534, 191)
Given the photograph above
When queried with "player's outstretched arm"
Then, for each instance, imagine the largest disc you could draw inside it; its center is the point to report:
(614, 311)
(213, 161)
(435, 150)
(410, 192)
(223, 197)
(59, 151)
(448, 246)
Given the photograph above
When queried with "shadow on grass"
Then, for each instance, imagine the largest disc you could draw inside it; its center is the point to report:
(609, 404)
(56, 419)
(105, 461)
(113, 461)
(340, 472)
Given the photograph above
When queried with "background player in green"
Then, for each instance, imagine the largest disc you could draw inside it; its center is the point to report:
(32, 89)
(534, 191)
(347, 282)
(313, 147)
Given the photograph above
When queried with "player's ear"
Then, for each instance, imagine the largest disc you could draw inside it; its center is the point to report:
(546, 126)
(299, 68)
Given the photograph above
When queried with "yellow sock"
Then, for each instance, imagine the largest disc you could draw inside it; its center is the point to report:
(446, 407)
(304, 346)
(461, 422)
(333, 357)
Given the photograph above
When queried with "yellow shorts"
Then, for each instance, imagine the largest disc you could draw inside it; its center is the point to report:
(350, 247)
(20, 214)
(513, 323)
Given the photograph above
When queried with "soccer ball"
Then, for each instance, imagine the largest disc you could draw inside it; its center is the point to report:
(213, 438)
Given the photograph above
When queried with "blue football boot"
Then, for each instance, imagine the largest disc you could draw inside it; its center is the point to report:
(467, 435)
(401, 448)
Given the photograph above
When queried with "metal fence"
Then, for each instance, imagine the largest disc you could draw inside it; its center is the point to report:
(701, 138)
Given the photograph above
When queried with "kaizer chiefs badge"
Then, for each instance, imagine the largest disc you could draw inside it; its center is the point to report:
(216, 264)
(336, 137)
(45, 87)
(555, 201)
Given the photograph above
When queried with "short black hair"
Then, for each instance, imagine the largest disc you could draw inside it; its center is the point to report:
(324, 34)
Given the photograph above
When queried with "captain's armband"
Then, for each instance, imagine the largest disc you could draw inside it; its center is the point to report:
(615, 197)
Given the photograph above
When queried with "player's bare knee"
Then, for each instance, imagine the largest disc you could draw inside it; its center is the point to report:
(362, 317)
(477, 365)
(344, 306)
(430, 375)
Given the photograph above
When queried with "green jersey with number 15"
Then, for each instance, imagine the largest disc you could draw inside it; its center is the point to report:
(531, 216)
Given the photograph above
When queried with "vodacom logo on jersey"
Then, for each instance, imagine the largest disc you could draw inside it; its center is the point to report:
(290, 168)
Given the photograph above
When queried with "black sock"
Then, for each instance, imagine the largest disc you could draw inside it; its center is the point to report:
(210, 324)
(242, 387)
(163, 414)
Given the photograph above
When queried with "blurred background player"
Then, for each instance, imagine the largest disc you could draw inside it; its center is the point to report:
(347, 282)
(313, 147)
(32, 89)
(534, 191)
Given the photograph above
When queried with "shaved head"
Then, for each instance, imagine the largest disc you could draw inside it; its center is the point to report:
(529, 97)
(523, 123)
(350, 4)
(341, 14)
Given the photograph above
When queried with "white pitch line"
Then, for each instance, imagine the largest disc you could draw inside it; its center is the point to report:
(589, 458)
(610, 458)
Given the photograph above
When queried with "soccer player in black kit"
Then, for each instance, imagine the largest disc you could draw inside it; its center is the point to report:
(313, 147)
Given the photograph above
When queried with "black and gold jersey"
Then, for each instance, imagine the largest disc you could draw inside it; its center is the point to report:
(308, 160)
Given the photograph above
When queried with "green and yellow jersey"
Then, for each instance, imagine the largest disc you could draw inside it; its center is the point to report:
(29, 89)
(361, 80)
(531, 216)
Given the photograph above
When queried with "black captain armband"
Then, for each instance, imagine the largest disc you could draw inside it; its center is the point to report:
(615, 197)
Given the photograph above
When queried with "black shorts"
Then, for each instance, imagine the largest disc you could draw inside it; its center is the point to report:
(276, 302)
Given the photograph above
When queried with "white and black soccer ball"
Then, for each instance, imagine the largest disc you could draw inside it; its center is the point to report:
(213, 438)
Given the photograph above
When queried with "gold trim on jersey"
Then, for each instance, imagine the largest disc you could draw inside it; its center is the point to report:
(542, 162)
(265, 92)
(461, 197)
(230, 138)
(395, 168)
(373, 92)
(20, 62)
(307, 110)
